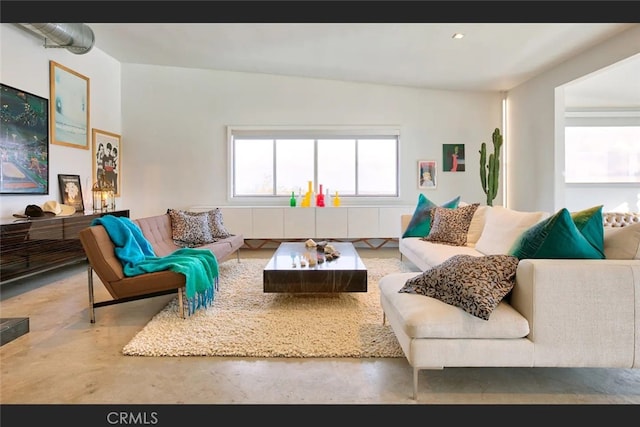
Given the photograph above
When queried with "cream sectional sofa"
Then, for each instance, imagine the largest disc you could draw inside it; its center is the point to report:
(560, 313)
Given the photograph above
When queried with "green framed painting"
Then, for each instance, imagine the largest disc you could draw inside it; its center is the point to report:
(453, 158)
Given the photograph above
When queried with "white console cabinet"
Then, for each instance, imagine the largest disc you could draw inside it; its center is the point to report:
(353, 222)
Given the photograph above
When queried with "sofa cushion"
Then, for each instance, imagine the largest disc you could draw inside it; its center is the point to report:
(426, 317)
(589, 224)
(427, 254)
(189, 229)
(622, 242)
(450, 226)
(476, 225)
(502, 227)
(556, 237)
(474, 284)
(420, 223)
(216, 224)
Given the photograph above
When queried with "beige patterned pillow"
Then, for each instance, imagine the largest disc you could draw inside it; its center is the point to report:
(190, 229)
(450, 226)
(216, 224)
(474, 284)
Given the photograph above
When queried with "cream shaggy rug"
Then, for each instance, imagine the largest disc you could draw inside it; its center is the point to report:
(244, 321)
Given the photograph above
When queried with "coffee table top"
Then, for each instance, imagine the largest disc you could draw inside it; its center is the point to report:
(289, 253)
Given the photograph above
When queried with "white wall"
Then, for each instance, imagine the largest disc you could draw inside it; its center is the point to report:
(24, 64)
(175, 147)
(172, 122)
(535, 129)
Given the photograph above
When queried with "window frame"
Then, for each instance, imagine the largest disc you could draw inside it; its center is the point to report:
(308, 132)
(597, 119)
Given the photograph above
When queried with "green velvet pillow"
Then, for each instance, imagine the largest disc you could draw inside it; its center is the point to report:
(420, 223)
(554, 238)
(590, 224)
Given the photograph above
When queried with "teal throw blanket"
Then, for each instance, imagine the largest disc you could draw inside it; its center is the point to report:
(199, 266)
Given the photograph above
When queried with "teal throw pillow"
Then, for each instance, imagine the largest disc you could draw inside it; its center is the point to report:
(420, 223)
(554, 238)
(590, 224)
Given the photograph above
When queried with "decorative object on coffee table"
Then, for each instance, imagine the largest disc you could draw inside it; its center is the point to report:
(344, 274)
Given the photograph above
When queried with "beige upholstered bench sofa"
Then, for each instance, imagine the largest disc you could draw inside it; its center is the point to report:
(560, 313)
(157, 230)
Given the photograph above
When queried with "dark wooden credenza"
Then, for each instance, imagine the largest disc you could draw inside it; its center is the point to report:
(34, 246)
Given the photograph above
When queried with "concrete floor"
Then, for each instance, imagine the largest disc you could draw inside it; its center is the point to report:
(65, 359)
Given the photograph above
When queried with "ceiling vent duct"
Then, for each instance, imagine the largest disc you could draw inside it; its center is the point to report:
(76, 38)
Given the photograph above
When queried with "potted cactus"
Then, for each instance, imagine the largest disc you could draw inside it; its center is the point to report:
(490, 172)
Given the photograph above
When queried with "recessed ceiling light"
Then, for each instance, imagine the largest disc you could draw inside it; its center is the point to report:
(457, 36)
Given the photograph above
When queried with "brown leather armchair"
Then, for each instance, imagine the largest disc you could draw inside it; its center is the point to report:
(102, 259)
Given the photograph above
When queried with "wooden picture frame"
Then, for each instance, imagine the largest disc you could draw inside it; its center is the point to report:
(427, 174)
(69, 104)
(24, 143)
(107, 156)
(71, 191)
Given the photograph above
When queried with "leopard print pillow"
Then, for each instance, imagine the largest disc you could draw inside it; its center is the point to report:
(474, 284)
(450, 226)
(218, 230)
(190, 229)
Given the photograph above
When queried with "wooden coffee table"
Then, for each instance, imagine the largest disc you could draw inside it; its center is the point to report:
(347, 273)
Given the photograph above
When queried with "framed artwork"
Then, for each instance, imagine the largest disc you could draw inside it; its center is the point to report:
(24, 142)
(107, 153)
(69, 100)
(71, 191)
(427, 174)
(453, 157)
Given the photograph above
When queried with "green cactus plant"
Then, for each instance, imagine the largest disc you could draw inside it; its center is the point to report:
(490, 172)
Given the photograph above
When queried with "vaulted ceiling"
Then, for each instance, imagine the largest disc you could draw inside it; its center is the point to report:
(490, 57)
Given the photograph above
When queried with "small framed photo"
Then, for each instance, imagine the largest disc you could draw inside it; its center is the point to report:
(453, 158)
(71, 191)
(427, 174)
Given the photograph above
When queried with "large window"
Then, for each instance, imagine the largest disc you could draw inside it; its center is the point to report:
(602, 154)
(275, 163)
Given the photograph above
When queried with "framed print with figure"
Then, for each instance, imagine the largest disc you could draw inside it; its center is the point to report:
(71, 191)
(69, 105)
(427, 174)
(453, 158)
(107, 152)
(24, 142)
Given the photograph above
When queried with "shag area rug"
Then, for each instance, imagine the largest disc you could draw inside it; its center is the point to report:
(243, 321)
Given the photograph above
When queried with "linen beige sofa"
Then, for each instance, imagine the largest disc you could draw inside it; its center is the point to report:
(157, 230)
(560, 313)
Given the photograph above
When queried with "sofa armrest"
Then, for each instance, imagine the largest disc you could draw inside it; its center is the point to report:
(581, 312)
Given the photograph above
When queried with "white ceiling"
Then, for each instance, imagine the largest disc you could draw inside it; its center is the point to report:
(491, 57)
